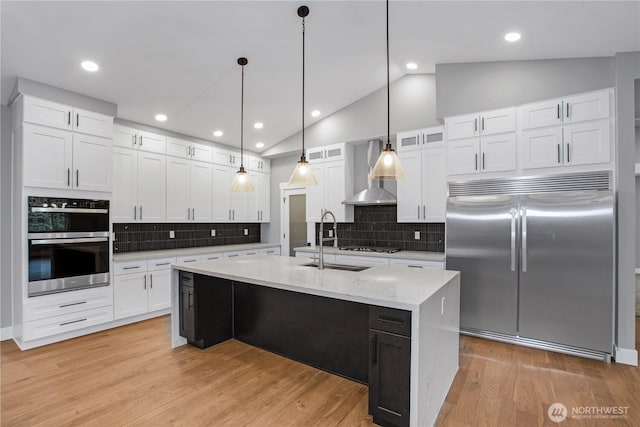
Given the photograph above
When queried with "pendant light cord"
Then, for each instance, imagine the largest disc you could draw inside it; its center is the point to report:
(303, 86)
(388, 86)
(242, 121)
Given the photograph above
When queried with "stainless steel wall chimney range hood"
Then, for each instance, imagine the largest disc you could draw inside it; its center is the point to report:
(374, 194)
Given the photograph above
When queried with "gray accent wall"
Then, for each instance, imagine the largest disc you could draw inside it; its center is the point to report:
(5, 217)
(281, 169)
(470, 87)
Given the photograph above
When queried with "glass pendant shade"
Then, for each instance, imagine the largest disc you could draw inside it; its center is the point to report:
(241, 182)
(302, 174)
(387, 166)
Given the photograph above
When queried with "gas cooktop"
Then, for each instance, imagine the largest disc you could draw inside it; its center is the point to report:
(382, 249)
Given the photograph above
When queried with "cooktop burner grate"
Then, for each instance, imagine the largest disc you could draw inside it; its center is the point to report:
(383, 249)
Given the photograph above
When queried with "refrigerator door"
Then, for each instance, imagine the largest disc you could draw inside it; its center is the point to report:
(567, 270)
(481, 244)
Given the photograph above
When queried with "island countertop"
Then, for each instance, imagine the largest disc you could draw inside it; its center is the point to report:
(388, 286)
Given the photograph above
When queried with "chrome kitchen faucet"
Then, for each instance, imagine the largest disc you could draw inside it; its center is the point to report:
(321, 239)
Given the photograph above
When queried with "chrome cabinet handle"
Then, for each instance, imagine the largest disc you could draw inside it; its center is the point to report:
(135, 216)
(233, 214)
(558, 105)
(567, 110)
(140, 212)
(72, 304)
(131, 268)
(483, 160)
(476, 161)
(558, 152)
(568, 152)
(483, 123)
(475, 125)
(135, 139)
(418, 211)
(71, 240)
(77, 177)
(68, 177)
(77, 120)
(188, 214)
(140, 140)
(151, 280)
(69, 118)
(424, 211)
(193, 213)
(513, 239)
(524, 240)
(72, 321)
(145, 282)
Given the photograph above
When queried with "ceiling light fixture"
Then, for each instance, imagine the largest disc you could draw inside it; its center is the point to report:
(241, 182)
(411, 66)
(512, 37)
(161, 117)
(259, 144)
(258, 125)
(218, 133)
(315, 113)
(388, 166)
(302, 174)
(90, 66)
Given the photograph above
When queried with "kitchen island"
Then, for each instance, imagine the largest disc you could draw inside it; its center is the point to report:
(391, 327)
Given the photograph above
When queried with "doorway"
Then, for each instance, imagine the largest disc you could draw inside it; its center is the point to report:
(293, 224)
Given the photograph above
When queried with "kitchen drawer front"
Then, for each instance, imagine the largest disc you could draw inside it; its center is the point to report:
(66, 323)
(418, 263)
(390, 320)
(188, 259)
(160, 264)
(270, 251)
(129, 267)
(218, 255)
(363, 259)
(67, 302)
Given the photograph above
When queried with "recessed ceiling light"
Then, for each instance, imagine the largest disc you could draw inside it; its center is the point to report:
(411, 65)
(259, 144)
(161, 117)
(315, 113)
(90, 66)
(258, 125)
(512, 37)
(218, 133)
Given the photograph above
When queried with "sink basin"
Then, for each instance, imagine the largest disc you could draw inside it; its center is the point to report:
(332, 266)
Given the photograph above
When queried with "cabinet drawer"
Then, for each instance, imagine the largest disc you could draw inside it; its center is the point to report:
(188, 259)
(218, 255)
(417, 263)
(66, 323)
(270, 251)
(363, 259)
(390, 320)
(67, 302)
(129, 267)
(160, 264)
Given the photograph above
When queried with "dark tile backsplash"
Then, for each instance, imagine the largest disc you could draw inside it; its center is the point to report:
(148, 237)
(378, 226)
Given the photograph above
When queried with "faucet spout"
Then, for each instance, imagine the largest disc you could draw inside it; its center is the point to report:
(321, 238)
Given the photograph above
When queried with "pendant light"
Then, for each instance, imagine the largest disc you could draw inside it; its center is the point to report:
(241, 182)
(302, 174)
(388, 166)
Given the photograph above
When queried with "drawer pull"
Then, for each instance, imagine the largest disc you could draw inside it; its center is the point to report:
(190, 260)
(72, 304)
(72, 321)
(163, 263)
(131, 268)
(414, 266)
(385, 319)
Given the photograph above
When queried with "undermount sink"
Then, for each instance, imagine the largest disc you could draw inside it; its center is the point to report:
(331, 266)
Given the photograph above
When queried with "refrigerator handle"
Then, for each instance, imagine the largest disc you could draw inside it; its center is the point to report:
(513, 239)
(524, 240)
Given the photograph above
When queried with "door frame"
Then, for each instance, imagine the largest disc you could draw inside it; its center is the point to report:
(286, 191)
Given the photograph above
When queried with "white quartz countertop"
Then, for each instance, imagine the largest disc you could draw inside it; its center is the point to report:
(388, 286)
(413, 255)
(136, 256)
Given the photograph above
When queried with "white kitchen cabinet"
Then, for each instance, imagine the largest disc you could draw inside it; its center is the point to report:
(492, 153)
(260, 202)
(189, 190)
(462, 156)
(142, 286)
(333, 168)
(226, 157)
(201, 191)
(363, 260)
(55, 158)
(570, 109)
(484, 123)
(270, 251)
(129, 294)
(47, 113)
(92, 123)
(257, 164)
(139, 186)
(190, 150)
(417, 263)
(542, 147)
(409, 207)
(541, 114)
(127, 137)
(222, 178)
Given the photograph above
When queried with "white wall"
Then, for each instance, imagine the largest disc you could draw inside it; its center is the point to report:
(5, 217)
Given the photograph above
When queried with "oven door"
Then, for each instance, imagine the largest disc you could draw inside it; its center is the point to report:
(63, 262)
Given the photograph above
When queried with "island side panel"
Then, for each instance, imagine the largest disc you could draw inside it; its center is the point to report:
(176, 339)
(435, 354)
(327, 333)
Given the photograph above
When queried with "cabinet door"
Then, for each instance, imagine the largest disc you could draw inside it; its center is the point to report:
(129, 295)
(187, 312)
(541, 114)
(151, 187)
(497, 121)
(587, 142)
(221, 157)
(588, 106)
(125, 185)
(315, 155)
(434, 183)
(334, 152)
(409, 140)
(201, 190)
(222, 178)
(159, 291)
(47, 157)
(335, 191)
(315, 194)
(498, 152)
(92, 123)
(261, 184)
(465, 126)
(178, 147)
(152, 142)
(124, 136)
(432, 135)
(541, 147)
(389, 378)
(243, 206)
(92, 163)
(462, 156)
(409, 208)
(201, 152)
(47, 113)
(178, 189)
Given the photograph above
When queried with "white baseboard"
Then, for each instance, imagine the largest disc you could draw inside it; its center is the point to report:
(627, 356)
(6, 333)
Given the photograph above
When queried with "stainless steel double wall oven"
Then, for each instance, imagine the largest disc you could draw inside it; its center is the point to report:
(68, 244)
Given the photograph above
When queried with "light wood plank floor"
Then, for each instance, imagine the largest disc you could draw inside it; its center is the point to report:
(131, 376)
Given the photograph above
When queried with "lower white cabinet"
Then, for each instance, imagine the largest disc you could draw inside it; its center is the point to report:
(66, 323)
(142, 287)
(417, 263)
(359, 259)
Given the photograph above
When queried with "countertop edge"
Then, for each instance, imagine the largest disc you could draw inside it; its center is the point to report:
(413, 255)
(167, 253)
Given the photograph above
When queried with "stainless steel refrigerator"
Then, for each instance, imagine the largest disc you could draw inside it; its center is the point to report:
(536, 256)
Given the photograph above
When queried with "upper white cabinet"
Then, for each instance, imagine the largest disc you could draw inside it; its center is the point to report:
(422, 195)
(493, 153)
(189, 190)
(190, 150)
(92, 123)
(485, 123)
(127, 137)
(257, 164)
(260, 202)
(570, 109)
(333, 168)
